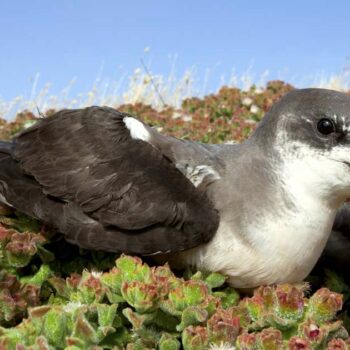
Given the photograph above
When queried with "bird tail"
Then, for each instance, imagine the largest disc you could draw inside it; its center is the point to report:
(336, 253)
(5, 148)
(342, 219)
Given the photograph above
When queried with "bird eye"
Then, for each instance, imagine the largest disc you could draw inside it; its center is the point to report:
(325, 126)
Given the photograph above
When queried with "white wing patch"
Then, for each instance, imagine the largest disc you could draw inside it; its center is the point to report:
(137, 129)
(201, 173)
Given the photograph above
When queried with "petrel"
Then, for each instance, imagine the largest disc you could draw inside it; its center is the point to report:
(260, 212)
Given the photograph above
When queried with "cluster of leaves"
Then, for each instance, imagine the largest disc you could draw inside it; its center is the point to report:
(131, 305)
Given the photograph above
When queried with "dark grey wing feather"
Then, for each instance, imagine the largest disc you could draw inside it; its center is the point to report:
(87, 158)
(25, 194)
(342, 220)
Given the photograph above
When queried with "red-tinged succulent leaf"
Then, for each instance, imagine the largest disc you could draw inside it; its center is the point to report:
(338, 344)
(311, 331)
(107, 315)
(168, 342)
(324, 305)
(84, 330)
(16, 298)
(138, 320)
(223, 326)
(246, 341)
(280, 306)
(192, 316)
(41, 343)
(90, 288)
(255, 306)
(296, 343)
(133, 269)
(189, 293)
(318, 334)
(38, 312)
(165, 279)
(163, 271)
(194, 293)
(8, 307)
(5, 234)
(243, 314)
(290, 301)
(60, 286)
(143, 297)
(113, 279)
(30, 294)
(8, 281)
(21, 247)
(228, 296)
(211, 304)
(195, 338)
(74, 343)
(270, 339)
(73, 281)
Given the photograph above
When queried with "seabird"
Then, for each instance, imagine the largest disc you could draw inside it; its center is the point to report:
(260, 212)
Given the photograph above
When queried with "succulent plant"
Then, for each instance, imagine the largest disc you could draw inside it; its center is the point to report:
(135, 306)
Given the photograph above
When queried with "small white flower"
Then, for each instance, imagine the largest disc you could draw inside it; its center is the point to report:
(247, 101)
(250, 121)
(177, 115)
(146, 49)
(187, 118)
(29, 123)
(254, 109)
(313, 327)
(72, 306)
(222, 346)
(96, 274)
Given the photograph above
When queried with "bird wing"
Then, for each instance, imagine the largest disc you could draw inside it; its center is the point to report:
(90, 157)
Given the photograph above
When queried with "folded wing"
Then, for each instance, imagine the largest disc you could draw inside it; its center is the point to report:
(91, 159)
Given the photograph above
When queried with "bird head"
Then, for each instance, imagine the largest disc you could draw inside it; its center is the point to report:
(308, 131)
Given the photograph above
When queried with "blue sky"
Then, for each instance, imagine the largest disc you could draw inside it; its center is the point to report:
(64, 39)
